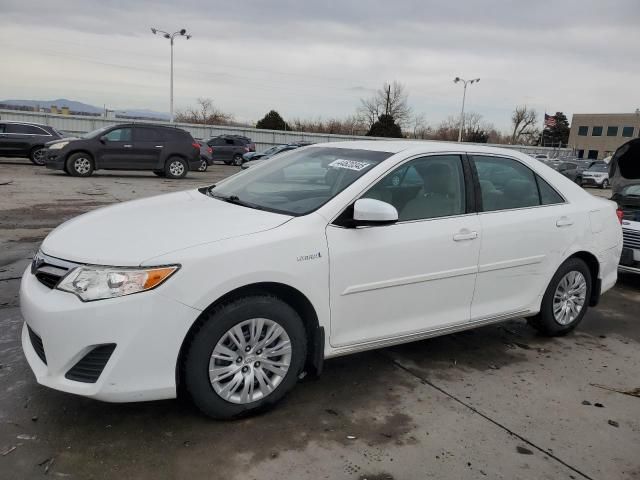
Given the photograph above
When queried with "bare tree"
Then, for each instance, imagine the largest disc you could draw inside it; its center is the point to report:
(204, 113)
(391, 99)
(524, 120)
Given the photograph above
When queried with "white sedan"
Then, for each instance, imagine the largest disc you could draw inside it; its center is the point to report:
(231, 292)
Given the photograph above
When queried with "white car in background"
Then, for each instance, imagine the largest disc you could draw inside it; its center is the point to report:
(231, 292)
(597, 175)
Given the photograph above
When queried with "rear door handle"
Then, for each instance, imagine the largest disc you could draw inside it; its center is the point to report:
(159, 146)
(127, 146)
(465, 235)
(564, 222)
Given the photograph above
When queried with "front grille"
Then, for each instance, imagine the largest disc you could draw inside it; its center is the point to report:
(36, 342)
(630, 238)
(49, 270)
(89, 368)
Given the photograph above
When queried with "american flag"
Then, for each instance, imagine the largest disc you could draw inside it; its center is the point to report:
(549, 120)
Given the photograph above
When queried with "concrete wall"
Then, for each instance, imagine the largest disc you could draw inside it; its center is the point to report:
(604, 144)
(78, 124)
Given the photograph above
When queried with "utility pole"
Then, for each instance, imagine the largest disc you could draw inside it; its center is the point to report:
(388, 100)
(464, 95)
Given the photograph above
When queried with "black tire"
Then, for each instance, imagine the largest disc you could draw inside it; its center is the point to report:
(605, 184)
(203, 165)
(545, 321)
(176, 168)
(36, 155)
(579, 180)
(213, 326)
(159, 173)
(237, 160)
(80, 165)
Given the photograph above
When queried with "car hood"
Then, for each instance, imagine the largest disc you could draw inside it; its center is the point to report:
(129, 233)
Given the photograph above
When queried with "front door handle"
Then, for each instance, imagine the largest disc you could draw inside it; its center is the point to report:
(159, 146)
(564, 222)
(465, 235)
(127, 146)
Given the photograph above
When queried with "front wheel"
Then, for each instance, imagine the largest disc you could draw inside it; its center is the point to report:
(176, 168)
(36, 155)
(80, 165)
(566, 299)
(245, 356)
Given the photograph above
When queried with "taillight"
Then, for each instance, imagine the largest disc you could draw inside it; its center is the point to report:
(246, 149)
(209, 150)
(196, 145)
(620, 215)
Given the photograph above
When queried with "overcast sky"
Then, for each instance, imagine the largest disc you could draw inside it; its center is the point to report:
(317, 58)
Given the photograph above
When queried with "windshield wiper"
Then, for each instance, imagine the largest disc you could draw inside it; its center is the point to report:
(235, 200)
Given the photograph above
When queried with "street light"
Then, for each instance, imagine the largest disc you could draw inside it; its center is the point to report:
(171, 36)
(464, 94)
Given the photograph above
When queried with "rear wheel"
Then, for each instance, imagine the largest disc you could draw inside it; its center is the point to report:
(36, 155)
(203, 165)
(80, 165)
(176, 168)
(566, 299)
(605, 184)
(237, 160)
(245, 356)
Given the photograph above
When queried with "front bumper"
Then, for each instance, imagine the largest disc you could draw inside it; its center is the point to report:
(146, 328)
(53, 159)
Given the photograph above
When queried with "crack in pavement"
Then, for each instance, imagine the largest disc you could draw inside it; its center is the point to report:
(483, 415)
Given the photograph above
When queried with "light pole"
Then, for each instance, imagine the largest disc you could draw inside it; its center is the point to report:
(171, 36)
(464, 94)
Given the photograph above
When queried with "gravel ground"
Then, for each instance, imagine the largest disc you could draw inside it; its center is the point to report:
(497, 402)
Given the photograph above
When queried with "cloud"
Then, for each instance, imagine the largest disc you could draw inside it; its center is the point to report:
(310, 59)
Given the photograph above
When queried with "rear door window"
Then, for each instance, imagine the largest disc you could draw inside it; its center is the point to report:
(505, 183)
(144, 134)
(24, 129)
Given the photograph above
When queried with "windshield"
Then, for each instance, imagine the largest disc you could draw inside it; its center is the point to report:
(95, 133)
(299, 181)
(598, 167)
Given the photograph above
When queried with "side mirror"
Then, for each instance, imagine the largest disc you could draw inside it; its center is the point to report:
(370, 212)
(103, 139)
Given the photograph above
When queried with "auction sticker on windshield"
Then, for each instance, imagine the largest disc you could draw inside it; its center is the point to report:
(349, 164)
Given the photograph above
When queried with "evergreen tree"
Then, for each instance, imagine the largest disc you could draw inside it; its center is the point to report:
(385, 126)
(556, 135)
(272, 121)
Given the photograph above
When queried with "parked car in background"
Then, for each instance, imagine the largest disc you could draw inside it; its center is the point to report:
(570, 170)
(296, 253)
(597, 175)
(272, 152)
(230, 148)
(166, 151)
(205, 155)
(20, 139)
(624, 175)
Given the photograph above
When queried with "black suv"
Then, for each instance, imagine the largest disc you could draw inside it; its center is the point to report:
(230, 148)
(21, 139)
(167, 151)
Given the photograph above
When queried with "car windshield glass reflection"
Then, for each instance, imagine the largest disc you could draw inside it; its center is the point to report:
(300, 182)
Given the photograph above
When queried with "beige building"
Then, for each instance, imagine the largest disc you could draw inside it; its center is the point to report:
(597, 135)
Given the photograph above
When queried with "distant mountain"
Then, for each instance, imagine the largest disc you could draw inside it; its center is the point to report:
(75, 106)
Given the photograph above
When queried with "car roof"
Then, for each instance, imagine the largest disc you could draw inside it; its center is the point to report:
(421, 146)
(24, 123)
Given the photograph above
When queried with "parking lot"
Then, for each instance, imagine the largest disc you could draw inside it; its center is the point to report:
(497, 402)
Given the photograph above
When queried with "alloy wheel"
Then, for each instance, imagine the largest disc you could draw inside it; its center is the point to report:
(250, 360)
(176, 168)
(569, 297)
(82, 165)
(38, 156)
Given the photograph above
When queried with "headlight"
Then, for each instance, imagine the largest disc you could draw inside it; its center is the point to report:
(58, 146)
(97, 283)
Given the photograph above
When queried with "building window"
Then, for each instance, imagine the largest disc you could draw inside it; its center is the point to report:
(593, 155)
(627, 131)
(583, 131)
(612, 131)
(596, 132)
(580, 153)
